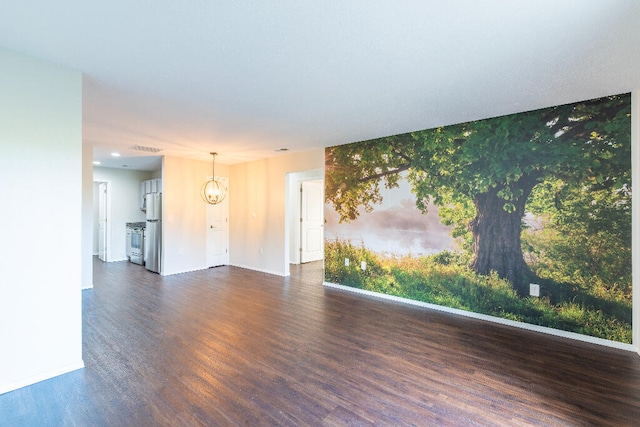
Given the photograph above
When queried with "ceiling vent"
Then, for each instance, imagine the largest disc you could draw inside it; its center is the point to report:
(145, 149)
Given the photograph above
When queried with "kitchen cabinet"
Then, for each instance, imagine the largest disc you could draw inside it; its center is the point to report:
(146, 187)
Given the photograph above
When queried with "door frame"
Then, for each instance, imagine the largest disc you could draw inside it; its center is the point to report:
(292, 213)
(108, 257)
(312, 185)
(225, 181)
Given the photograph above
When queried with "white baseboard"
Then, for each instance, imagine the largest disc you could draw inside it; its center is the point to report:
(499, 320)
(5, 388)
(281, 274)
(246, 267)
(171, 273)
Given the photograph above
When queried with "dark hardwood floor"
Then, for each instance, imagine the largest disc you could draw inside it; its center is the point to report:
(228, 346)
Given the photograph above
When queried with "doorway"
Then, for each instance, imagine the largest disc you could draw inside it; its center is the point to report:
(218, 230)
(101, 221)
(295, 228)
(311, 220)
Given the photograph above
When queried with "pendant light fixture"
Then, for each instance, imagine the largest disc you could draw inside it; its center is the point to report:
(213, 191)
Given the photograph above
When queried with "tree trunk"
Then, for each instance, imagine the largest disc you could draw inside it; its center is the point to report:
(496, 236)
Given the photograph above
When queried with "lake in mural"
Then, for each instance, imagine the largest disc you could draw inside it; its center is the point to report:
(469, 216)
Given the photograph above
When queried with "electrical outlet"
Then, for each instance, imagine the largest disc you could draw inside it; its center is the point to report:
(534, 290)
(261, 251)
(363, 265)
(346, 262)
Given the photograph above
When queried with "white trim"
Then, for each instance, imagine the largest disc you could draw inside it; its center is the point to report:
(109, 218)
(493, 319)
(42, 377)
(246, 267)
(302, 198)
(172, 273)
(224, 203)
(292, 213)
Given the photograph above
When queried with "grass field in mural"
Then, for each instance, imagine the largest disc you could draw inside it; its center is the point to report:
(539, 197)
(441, 279)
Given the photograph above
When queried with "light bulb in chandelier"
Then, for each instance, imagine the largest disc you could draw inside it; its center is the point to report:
(213, 191)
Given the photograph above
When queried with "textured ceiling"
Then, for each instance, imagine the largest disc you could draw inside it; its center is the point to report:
(245, 78)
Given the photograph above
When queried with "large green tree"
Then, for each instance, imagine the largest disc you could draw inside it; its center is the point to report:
(490, 166)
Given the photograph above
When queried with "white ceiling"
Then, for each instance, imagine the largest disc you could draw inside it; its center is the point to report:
(245, 78)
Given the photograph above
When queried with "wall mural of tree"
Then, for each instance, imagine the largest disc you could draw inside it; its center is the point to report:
(566, 169)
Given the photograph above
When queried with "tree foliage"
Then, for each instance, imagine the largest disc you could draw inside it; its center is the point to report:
(490, 167)
(586, 238)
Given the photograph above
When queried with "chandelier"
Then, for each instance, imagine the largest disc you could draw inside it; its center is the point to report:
(213, 191)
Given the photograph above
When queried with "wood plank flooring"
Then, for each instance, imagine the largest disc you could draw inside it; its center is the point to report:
(228, 346)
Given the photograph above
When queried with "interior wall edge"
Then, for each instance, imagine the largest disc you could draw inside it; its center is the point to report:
(635, 215)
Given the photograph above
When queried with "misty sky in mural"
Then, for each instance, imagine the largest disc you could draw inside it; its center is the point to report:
(394, 227)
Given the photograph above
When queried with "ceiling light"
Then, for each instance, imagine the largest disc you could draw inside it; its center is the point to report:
(213, 191)
(96, 163)
(114, 154)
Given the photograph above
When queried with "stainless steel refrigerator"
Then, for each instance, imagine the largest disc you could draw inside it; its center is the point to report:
(153, 232)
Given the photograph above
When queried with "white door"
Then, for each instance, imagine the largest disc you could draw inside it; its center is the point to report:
(312, 221)
(218, 231)
(102, 221)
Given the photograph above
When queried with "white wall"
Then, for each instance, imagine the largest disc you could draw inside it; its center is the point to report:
(257, 210)
(87, 217)
(184, 227)
(125, 205)
(40, 220)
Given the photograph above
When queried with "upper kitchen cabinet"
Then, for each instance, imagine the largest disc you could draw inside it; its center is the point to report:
(149, 186)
